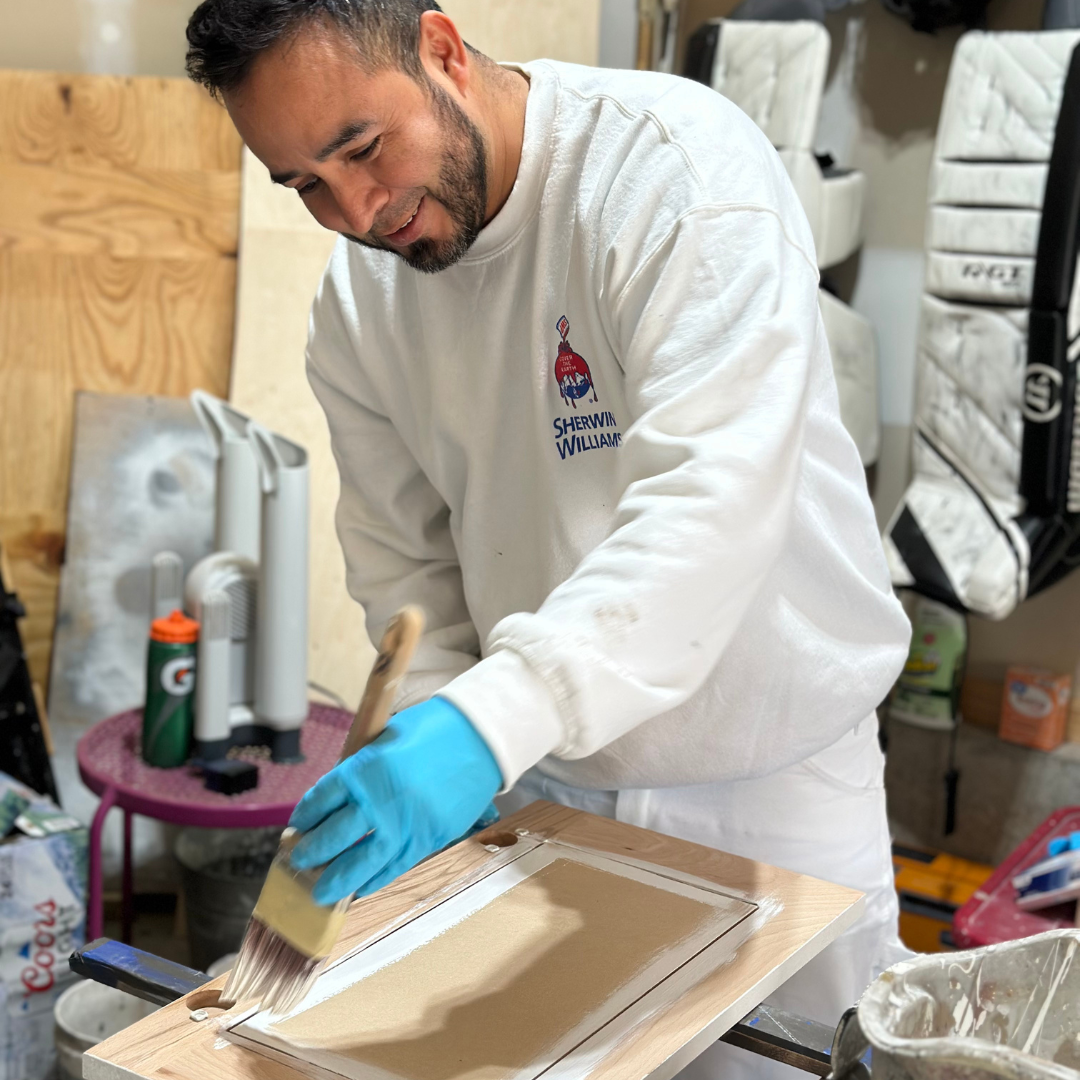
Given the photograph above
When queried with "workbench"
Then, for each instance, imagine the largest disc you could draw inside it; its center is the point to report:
(799, 917)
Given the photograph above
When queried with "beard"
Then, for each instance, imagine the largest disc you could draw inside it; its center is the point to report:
(462, 191)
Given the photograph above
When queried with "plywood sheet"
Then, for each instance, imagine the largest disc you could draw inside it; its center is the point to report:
(119, 213)
(795, 917)
(142, 481)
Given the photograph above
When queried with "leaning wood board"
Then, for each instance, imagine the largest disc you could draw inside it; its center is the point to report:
(795, 918)
(119, 209)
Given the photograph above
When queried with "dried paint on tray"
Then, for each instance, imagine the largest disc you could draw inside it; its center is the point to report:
(498, 989)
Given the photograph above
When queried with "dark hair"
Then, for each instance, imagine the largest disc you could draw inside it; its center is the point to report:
(225, 36)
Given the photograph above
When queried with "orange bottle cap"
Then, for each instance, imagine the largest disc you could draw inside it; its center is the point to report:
(175, 629)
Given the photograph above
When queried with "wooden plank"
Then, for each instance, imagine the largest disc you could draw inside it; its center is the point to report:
(128, 214)
(119, 219)
(51, 118)
(798, 917)
(283, 252)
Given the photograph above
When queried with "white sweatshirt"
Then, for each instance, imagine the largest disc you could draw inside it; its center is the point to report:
(658, 536)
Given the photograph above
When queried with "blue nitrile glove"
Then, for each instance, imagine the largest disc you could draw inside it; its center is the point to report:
(418, 787)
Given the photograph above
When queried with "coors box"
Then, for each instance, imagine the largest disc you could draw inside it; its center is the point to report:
(43, 854)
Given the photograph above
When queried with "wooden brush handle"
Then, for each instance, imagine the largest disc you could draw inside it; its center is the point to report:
(395, 654)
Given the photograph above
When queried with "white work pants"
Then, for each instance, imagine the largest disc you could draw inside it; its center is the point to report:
(824, 817)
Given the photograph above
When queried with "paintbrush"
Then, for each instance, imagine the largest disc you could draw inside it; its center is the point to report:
(289, 937)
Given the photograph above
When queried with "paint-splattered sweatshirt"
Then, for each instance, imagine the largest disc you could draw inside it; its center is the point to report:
(604, 452)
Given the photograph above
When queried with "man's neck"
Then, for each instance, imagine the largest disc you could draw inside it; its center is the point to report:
(507, 92)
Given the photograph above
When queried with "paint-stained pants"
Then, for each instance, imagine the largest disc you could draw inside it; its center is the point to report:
(824, 817)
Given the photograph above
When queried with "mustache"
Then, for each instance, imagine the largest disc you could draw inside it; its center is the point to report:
(393, 217)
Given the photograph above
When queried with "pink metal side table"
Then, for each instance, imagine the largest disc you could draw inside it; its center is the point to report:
(111, 767)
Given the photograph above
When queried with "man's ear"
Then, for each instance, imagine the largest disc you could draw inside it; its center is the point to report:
(442, 52)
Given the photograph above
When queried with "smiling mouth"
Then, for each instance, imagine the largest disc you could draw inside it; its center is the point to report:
(400, 232)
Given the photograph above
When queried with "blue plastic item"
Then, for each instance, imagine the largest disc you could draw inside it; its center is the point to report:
(1058, 846)
(422, 784)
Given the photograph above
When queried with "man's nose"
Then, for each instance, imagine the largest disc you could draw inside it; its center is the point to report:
(359, 204)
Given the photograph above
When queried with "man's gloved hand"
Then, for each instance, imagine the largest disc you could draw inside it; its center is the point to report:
(419, 786)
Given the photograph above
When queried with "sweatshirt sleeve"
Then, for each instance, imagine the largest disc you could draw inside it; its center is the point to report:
(393, 525)
(715, 329)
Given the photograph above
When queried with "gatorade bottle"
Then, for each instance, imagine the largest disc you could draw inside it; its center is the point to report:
(168, 718)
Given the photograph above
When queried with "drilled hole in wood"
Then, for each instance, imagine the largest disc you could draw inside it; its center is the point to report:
(499, 839)
(203, 999)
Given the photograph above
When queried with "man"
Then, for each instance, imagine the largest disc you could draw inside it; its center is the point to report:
(583, 410)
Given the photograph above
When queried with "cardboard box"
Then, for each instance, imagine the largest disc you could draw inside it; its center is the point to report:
(1072, 732)
(43, 862)
(1035, 707)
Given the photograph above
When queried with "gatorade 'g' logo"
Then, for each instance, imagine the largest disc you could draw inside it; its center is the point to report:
(178, 676)
(1042, 393)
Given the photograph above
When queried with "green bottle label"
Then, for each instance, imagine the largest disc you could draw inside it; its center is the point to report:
(168, 718)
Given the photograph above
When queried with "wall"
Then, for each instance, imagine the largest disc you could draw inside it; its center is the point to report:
(146, 37)
(119, 37)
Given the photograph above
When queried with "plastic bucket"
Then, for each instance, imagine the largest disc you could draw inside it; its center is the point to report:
(87, 1013)
(1004, 1011)
(222, 872)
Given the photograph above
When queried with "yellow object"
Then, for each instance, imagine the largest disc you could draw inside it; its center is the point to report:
(931, 888)
(285, 905)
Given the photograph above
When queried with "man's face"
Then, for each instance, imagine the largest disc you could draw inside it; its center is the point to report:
(387, 161)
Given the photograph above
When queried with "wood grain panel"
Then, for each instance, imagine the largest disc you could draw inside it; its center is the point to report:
(800, 915)
(85, 210)
(119, 221)
(122, 123)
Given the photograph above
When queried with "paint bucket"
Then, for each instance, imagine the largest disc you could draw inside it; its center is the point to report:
(87, 1013)
(1002, 1012)
(222, 872)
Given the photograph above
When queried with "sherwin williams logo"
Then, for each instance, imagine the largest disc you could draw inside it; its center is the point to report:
(591, 431)
(571, 372)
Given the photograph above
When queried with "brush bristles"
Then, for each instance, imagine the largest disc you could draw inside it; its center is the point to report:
(270, 970)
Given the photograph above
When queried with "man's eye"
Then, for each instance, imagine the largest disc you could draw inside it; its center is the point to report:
(368, 150)
(307, 188)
